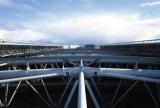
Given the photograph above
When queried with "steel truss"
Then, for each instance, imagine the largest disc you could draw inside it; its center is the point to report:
(83, 75)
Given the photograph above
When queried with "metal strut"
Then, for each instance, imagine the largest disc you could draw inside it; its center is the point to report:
(92, 94)
(118, 87)
(38, 93)
(49, 97)
(6, 94)
(62, 96)
(98, 92)
(14, 94)
(151, 94)
(124, 94)
(82, 101)
(1, 103)
(158, 93)
(71, 94)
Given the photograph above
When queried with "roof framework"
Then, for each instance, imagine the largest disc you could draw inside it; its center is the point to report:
(79, 67)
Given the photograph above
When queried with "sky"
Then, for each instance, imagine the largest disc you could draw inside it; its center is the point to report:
(79, 21)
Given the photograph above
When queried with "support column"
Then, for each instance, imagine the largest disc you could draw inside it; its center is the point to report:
(82, 101)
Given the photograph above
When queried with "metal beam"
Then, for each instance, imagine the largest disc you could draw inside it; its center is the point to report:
(132, 72)
(87, 70)
(96, 104)
(132, 78)
(118, 87)
(151, 94)
(71, 94)
(28, 73)
(49, 105)
(15, 91)
(66, 88)
(3, 64)
(102, 58)
(1, 104)
(6, 94)
(98, 92)
(49, 97)
(158, 92)
(29, 78)
(130, 88)
(82, 101)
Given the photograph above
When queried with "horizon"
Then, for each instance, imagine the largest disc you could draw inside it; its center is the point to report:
(47, 43)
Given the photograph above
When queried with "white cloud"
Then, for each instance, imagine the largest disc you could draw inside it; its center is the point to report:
(150, 4)
(93, 28)
(24, 34)
(100, 26)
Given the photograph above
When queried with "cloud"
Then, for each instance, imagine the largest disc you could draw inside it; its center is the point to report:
(99, 27)
(150, 4)
(18, 6)
(86, 28)
(21, 34)
(5, 2)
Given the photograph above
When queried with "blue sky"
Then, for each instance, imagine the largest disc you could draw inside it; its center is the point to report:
(79, 21)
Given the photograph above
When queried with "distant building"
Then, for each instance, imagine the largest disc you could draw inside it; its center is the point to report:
(70, 46)
(3, 41)
(92, 46)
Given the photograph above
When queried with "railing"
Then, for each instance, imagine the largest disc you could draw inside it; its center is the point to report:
(137, 42)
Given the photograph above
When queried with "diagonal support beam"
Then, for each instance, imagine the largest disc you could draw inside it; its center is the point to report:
(15, 91)
(1, 104)
(49, 97)
(38, 93)
(6, 94)
(71, 94)
(97, 90)
(158, 93)
(118, 87)
(92, 95)
(151, 94)
(62, 96)
(124, 94)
